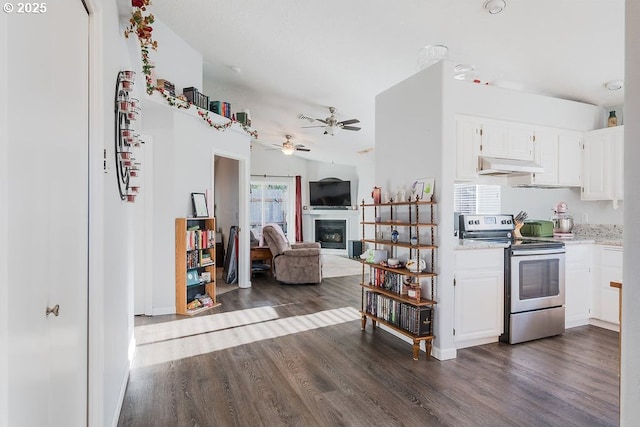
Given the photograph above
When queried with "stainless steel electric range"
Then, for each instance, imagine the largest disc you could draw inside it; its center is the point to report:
(533, 280)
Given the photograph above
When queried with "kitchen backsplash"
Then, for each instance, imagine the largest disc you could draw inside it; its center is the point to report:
(609, 231)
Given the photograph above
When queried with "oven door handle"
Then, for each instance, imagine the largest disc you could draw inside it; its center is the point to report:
(529, 252)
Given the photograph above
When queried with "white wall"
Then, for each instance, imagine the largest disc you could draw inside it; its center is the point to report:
(184, 149)
(175, 60)
(420, 155)
(539, 202)
(630, 374)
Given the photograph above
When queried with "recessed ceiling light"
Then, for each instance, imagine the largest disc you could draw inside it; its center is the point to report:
(495, 6)
(614, 85)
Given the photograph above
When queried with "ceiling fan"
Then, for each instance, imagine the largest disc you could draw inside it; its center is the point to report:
(331, 123)
(288, 147)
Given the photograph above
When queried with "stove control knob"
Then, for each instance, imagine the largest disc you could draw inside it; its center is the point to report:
(504, 221)
(470, 221)
(477, 221)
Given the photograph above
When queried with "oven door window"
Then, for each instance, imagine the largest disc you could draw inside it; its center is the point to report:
(539, 278)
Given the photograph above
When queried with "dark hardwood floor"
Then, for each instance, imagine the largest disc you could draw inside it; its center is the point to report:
(310, 373)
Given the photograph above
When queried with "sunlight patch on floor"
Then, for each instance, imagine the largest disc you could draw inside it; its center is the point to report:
(147, 334)
(175, 348)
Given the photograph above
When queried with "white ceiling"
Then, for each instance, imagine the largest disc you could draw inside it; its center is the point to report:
(304, 56)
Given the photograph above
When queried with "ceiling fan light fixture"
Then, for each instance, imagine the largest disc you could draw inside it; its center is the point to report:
(287, 147)
(495, 6)
(330, 130)
(287, 151)
(614, 85)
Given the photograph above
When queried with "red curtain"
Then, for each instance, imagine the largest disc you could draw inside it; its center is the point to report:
(298, 208)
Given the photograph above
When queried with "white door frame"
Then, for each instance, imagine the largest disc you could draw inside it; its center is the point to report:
(95, 397)
(244, 181)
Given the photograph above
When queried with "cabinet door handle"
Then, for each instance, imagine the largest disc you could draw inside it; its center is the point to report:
(55, 310)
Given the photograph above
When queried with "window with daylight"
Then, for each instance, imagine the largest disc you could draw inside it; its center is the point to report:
(270, 202)
(476, 199)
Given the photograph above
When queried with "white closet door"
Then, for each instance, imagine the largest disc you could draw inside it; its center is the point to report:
(47, 57)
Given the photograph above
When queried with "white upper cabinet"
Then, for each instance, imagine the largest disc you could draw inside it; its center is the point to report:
(506, 140)
(559, 152)
(546, 155)
(602, 164)
(570, 158)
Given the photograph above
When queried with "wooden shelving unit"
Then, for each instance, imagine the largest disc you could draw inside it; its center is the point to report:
(387, 297)
(195, 255)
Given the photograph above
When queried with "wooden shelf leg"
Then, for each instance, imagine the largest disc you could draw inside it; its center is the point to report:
(416, 349)
(364, 322)
(428, 346)
(374, 324)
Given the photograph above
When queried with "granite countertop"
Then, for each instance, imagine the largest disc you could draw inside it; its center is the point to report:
(584, 234)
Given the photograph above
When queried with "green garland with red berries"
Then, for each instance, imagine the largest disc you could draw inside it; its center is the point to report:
(140, 25)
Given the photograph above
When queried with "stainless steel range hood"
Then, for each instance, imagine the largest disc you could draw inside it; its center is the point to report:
(507, 167)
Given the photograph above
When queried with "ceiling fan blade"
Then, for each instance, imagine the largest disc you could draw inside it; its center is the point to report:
(349, 122)
(319, 126)
(350, 128)
(305, 117)
(322, 121)
(302, 149)
(277, 145)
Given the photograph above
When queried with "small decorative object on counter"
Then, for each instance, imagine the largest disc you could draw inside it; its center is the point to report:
(394, 236)
(613, 120)
(414, 291)
(376, 194)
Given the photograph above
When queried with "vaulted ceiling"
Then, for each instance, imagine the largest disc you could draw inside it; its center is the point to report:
(280, 58)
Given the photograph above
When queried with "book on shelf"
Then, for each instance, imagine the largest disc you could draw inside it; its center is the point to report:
(200, 239)
(205, 258)
(413, 319)
(390, 281)
(193, 278)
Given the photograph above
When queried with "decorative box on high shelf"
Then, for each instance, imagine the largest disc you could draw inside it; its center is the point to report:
(392, 296)
(195, 264)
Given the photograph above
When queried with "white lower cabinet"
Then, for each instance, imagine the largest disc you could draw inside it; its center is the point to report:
(605, 298)
(578, 284)
(479, 296)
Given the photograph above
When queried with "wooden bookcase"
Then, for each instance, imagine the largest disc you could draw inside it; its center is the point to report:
(389, 296)
(195, 255)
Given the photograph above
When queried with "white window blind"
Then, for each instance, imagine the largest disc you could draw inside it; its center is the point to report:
(476, 199)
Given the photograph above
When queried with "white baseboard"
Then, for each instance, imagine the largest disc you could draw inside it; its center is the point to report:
(163, 311)
(474, 342)
(572, 323)
(606, 325)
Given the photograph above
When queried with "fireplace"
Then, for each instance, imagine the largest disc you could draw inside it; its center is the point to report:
(331, 233)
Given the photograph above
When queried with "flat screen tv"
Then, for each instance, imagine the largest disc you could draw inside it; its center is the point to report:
(329, 193)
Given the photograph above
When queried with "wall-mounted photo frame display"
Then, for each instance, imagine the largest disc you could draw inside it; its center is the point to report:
(199, 205)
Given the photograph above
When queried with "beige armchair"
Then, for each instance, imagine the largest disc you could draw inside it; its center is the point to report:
(293, 263)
